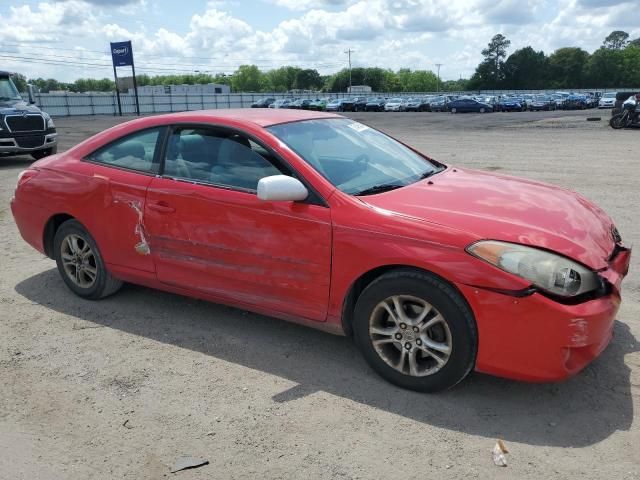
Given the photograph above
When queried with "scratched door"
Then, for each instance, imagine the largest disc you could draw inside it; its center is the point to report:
(230, 244)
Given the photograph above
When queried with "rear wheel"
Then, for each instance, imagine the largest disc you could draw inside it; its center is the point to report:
(415, 331)
(80, 263)
(454, 110)
(482, 110)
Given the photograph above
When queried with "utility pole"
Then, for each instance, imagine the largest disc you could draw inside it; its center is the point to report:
(438, 83)
(349, 52)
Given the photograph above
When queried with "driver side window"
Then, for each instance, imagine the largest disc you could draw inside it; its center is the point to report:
(219, 158)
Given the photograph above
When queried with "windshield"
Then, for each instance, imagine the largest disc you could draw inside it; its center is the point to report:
(355, 158)
(8, 90)
(609, 95)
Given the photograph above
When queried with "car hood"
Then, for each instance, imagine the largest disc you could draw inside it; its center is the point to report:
(8, 107)
(489, 206)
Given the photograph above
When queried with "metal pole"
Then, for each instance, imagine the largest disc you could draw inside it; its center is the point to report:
(115, 76)
(438, 82)
(349, 52)
(135, 85)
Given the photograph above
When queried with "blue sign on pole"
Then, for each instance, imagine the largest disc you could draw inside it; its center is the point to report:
(121, 54)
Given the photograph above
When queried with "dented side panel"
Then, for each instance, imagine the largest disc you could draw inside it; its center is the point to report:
(231, 244)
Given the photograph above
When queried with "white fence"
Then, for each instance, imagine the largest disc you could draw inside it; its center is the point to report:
(106, 104)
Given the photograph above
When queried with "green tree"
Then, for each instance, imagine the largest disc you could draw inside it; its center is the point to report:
(281, 79)
(308, 79)
(616, 40)
(490, 73)
(248, 78)
(526, 69)
(568, 67)
(20, 82)
(605, 68)
(630, 76)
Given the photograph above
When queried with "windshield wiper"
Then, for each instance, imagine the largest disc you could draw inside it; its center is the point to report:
(378, 189)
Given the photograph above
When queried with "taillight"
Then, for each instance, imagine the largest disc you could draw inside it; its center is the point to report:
(25, 175)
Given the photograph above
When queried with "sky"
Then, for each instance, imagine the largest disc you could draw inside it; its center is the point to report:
(69, 39)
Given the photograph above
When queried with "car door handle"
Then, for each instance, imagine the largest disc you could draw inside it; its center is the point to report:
(161, 207)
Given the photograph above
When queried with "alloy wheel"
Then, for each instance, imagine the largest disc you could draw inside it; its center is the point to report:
(410, 335)
(78, 260)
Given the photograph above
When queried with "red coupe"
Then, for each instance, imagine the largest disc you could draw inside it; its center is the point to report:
(318, 219)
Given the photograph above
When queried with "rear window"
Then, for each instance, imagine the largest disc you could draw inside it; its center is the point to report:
(133, 152)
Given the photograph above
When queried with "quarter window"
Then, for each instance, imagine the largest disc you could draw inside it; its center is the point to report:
(217, 157)
(134, 152)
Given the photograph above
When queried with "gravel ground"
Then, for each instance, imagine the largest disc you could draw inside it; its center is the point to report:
(122, 387)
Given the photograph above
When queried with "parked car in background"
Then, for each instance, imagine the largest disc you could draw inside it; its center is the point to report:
(375, 104)
(263, 102)
(607, 100)
(319, 104)
(560, 98)
(348, 104)
(542, 102)
(396, 104)
(467, 105)
(510, 104)
(439, 103)
(527, 99)
(419, 104)
(359, 104)
(281, 103)
(434, 270)
(575, 101)
(300, 104)
(339, 105)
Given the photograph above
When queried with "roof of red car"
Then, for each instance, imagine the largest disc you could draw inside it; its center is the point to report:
(260, 116)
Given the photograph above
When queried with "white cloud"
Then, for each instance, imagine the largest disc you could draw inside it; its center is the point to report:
(385, 33)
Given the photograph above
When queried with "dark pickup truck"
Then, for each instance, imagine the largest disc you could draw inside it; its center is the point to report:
(24, 128)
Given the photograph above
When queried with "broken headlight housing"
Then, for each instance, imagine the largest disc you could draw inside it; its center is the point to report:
(545, 270)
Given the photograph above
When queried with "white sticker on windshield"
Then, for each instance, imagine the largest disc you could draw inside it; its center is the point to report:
(358, 127)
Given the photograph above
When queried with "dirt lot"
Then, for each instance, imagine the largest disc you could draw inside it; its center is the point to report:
(121, 387)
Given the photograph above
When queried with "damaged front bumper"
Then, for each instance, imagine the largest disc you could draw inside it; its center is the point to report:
(535, 338)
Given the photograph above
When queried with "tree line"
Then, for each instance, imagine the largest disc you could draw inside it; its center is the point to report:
(249, 78)
(615, 64)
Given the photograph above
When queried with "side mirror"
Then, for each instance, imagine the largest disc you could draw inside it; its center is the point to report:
(32, 96)
(281, 188)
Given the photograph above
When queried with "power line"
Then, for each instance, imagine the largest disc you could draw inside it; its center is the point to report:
(106, 54)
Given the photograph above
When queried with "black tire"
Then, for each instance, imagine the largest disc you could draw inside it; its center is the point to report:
(45, 153)
(444, 299)
(104, 284)
(617, 121)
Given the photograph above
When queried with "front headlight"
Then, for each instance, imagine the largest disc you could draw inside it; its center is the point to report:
(555, 274)
(49, 120)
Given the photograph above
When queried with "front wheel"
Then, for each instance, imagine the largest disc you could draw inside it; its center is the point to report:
(416, 331)
(80, 264)
(618, 121)
(482, 110)
(453, 110)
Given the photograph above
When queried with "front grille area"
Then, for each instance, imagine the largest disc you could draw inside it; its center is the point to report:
(30, 142)
(29, 123)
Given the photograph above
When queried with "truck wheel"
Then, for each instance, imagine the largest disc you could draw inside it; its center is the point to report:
(45, 153)
(416, 331)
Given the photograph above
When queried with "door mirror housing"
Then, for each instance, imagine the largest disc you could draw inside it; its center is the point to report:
(281, 188)
(32, 95)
